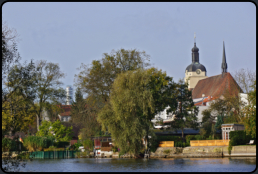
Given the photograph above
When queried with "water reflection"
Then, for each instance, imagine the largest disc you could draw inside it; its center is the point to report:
(233, 164)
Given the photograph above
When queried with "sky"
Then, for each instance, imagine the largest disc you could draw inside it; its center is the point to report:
(70, 33)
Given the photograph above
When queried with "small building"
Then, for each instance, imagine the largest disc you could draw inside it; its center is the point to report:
(226, 128)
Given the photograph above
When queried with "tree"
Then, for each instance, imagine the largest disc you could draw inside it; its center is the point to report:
(186, 113)
(250, 113)
(207, 124)
(56, 130)
(126, 114)
(229, 106)
(10, 55)
(17, 104)
(83, 114)
(98, 78)
(47, 85)
(245, 78)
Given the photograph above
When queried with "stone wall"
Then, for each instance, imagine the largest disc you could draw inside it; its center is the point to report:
(204, 151)
(240, 151)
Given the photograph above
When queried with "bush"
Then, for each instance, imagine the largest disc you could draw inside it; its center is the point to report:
(198, 137)
(189, 138)
(8, 144)
(166, 151)
(76, 146)
(115, 149)
(54, 149)
(62, 144)
(238, 138)
(33, 143)
(88, 144)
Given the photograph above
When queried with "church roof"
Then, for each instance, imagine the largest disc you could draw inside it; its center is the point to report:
(216, 86)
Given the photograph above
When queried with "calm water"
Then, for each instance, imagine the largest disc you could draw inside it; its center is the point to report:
(233, 164)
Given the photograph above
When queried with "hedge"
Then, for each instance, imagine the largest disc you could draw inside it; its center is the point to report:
(238, 138)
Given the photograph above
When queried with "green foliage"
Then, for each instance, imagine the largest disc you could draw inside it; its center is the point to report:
(75, 146)
(48, 86)
(88, 144)
(34, 143)
(219, 122)
(17, 99)
(167, 151)
(238, 138)
(126, 115)
(198, 137)
(115, 149)
(56, 130)
(84, 113)
(107, 69)
(8, 144)
(62, 144)
(250, 113)
(186, 115)
(188, 138)
(53, 148)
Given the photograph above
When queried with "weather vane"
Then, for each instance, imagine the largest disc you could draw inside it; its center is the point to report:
(194, 37)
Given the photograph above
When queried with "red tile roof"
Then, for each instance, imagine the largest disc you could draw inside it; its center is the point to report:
(216, 86)
(67, 110)
(203, 103)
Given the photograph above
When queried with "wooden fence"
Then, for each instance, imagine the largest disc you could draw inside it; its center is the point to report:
(209, 142)
(166, 144)
(106, 149)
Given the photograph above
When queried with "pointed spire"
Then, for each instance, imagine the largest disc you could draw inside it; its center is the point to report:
(224, 66)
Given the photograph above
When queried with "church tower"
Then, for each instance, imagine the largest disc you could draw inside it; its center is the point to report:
(224, 65)
(195, 71)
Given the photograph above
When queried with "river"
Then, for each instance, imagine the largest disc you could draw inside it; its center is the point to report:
(229, 164)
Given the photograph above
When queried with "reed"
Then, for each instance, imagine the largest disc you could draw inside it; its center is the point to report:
(36, 143)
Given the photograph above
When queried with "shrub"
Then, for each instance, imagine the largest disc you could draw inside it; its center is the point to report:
(189, 137)
(33, 143)
(88, 144)
(115, 149)
(238, 138)
(8, 144)
(198, 137)
(62, 144)
(54, 149)
(166, 151)
(76, 146)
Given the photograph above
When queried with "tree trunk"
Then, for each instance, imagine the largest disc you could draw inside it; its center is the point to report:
(182, 133)
(38, 122)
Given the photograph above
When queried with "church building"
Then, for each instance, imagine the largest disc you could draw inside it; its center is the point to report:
(205, 89)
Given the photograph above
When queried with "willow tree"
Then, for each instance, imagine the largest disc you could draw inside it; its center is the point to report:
(127, 112)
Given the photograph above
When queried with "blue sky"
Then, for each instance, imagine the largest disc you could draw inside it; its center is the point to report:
(73, 33)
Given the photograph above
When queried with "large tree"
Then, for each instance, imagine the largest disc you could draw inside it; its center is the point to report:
(48, 87)
(135, 98)
(84, 115)
(17, 104)
(186, 113)
(245, 79)
(97, 79)
(127, 112)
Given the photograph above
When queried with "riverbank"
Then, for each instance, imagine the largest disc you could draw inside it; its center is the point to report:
(204, 151)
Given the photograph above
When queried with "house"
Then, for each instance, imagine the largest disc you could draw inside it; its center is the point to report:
(66, 115)
(226, 128)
